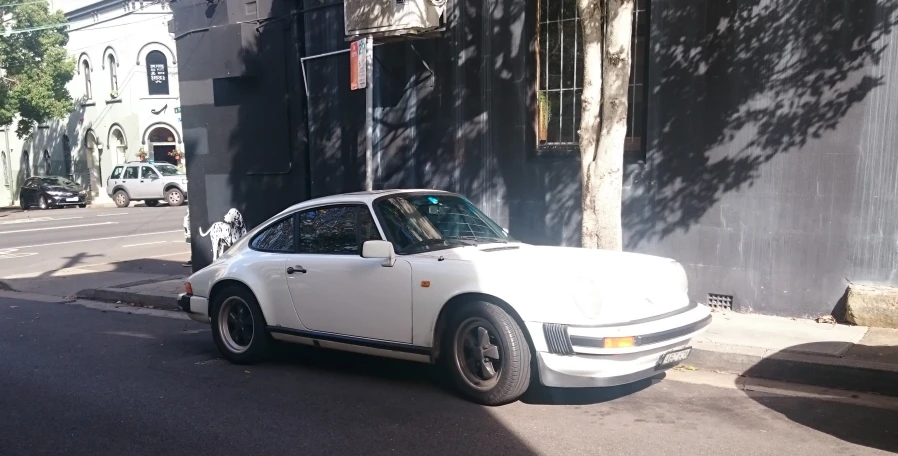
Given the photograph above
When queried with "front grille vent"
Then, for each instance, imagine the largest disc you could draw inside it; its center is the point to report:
(720, 302)
(557, 339)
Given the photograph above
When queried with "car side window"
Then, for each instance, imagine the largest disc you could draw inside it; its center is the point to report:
(329, 230)
(147, 173)
(279, 237)
(367, 227)
(130, 172)
(116, 173)
(29, 183)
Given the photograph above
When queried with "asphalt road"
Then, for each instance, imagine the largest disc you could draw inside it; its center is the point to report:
(65, 250)
(82, 381)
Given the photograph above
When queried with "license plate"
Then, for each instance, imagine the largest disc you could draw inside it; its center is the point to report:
(71, 199)
(674, 357)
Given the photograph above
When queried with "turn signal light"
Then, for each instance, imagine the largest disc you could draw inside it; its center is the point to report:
(187, 288)
(619, 342)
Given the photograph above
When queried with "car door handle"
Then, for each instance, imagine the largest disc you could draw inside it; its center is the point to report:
(291, 269)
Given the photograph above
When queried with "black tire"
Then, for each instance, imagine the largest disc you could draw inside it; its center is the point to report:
(258, 348)
(512, 368)
(23, 204)
(151, 203)
(174, 197)
(82, 206)
(42, 203)
(121, 198)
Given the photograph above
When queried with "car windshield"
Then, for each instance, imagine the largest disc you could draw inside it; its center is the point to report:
(168, 170)
(422, 222)
(53, 180)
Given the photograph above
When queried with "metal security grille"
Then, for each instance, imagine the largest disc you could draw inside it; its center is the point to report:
(561, 73)
(719, 301)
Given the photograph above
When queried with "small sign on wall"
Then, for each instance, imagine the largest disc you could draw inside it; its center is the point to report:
(358, 68)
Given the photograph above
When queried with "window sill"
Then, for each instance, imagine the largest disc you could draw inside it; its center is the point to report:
(113, 100)
(159, 97)
(87, 103)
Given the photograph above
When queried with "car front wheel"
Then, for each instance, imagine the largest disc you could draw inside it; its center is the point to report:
(238, 326)
(42, 203)
(488, 355)
(121, 199)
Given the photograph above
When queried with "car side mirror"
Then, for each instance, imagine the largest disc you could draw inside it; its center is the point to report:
(381, 250)
(154, 177)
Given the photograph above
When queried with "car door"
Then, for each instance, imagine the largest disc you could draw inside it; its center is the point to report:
(28, 192)
(335, 290)
(150, 183)
(130, 181)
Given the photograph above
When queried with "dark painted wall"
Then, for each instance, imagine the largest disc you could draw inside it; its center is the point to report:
(773, 169)
(770, 170)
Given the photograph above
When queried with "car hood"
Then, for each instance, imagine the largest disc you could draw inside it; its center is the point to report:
(607, 286)
(63, 188)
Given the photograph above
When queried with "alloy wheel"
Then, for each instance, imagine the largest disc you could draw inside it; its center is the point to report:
(236, 324)
(478, 353)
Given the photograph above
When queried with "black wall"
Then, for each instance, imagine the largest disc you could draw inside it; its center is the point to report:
(773, 169)
(770, 169)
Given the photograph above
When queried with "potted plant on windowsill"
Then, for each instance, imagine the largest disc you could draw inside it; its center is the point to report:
(142, 155)
(545, 113)
(178, 155)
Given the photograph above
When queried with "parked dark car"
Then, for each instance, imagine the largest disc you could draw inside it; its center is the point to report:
(51, 191)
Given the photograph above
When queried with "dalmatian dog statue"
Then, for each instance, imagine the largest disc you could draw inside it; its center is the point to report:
(225, 234)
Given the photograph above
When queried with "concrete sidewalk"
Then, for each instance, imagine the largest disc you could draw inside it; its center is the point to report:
(799, 351)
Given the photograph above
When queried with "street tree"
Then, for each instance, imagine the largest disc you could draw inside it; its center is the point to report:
(603, 129)
(35, 65)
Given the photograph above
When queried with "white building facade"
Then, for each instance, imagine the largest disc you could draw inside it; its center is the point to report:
(126, 100)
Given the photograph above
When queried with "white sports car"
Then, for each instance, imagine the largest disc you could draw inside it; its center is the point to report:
(424, 275)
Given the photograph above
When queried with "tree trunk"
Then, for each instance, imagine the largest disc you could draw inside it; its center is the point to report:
(603, 129)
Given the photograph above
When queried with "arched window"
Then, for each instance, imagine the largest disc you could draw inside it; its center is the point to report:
(157, 73)
(26, 164)
(47, 168)
(5, 168)
(113, 75)
(88, 90)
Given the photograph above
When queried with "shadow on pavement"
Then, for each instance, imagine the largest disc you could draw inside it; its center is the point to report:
(857, 424)
(87, 271)
(398, 371)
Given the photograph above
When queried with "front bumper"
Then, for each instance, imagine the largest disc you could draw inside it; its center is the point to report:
(196, 307)
(60, 201)
(575, 357)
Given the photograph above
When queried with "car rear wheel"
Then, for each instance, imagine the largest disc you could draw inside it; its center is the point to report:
(488, 355)
(238, 326)
(121, 198)
(174, 197)
(82, 206)
(151, 203)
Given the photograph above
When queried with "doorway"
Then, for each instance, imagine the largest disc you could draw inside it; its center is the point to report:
(162, 143)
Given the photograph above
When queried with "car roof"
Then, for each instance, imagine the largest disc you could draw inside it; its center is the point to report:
(366, 197)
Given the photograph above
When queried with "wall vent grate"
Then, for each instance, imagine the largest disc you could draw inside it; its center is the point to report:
(720, 301)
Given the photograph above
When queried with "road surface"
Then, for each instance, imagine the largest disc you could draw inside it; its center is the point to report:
(63, 251)
(82, 381)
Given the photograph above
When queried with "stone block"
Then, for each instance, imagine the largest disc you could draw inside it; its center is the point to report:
(872, 305)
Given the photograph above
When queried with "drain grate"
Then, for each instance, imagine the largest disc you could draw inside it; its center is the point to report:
(719, 301)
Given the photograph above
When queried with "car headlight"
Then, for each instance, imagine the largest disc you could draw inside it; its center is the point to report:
(82, 192)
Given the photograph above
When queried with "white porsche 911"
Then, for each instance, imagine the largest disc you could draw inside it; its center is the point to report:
(424, 275)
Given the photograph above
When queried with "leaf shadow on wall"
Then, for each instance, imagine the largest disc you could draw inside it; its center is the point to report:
(738, 83)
